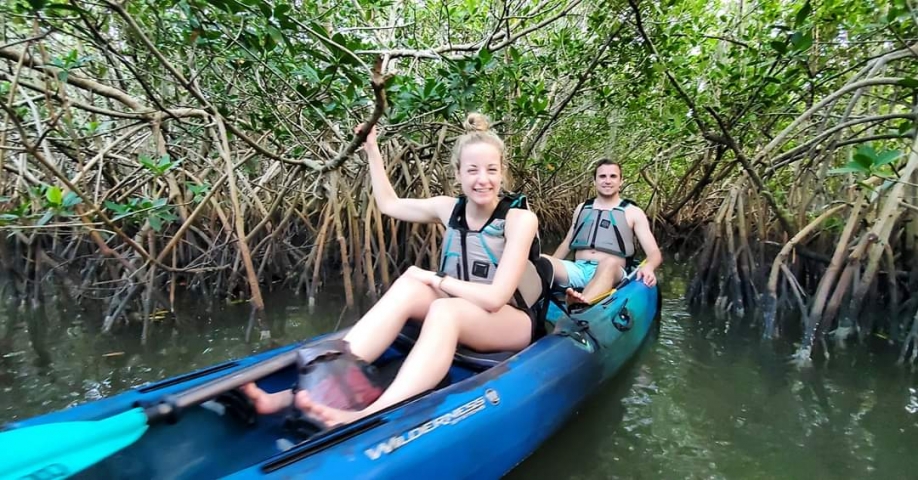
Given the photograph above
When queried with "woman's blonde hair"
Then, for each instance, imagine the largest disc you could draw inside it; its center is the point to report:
(478, 130)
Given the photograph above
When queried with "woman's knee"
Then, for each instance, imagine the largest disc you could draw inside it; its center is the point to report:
(445, 314)
(406, 285)
(444, 310)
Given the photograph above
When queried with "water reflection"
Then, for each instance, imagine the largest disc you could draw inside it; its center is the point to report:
(55, 357)
(710, 400)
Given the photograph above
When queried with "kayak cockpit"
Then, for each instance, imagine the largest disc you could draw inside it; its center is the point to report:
(225, 435)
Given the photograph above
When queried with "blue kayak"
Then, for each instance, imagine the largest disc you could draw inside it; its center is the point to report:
(489, 414)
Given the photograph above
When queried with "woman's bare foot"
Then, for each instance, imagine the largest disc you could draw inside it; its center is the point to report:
(324, 414)
(266, 403)
(573, 297)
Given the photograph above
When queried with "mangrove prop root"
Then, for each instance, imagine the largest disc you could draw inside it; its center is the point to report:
(780, 261)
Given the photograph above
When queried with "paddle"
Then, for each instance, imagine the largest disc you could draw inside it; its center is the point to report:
(624, 281)
(58, 450)
(621, 284)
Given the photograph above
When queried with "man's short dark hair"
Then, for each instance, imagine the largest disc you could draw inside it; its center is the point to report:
(606, 161)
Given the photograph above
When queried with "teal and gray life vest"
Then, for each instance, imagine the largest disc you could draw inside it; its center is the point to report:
(603, 230)
(474, 255)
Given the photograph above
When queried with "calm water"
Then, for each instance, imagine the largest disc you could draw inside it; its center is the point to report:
(704, 399)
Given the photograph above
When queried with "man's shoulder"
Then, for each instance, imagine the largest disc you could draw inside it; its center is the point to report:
(630, 205)
(633, 211)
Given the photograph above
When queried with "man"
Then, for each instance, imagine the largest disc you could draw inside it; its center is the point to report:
(602, 237)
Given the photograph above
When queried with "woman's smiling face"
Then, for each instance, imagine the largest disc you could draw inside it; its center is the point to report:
(480, 172)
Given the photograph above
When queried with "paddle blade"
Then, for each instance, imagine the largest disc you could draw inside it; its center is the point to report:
(59, 450)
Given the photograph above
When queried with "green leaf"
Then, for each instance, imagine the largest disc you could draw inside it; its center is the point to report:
(164, 162)
(119, 209)
(803, 13)
(909, 83)
(147, 162)
(275, 34)
(54, 195)
(886, 157)
(281, 10)
(265, 9)
(155, 223)
(778, 46)
(286, 23)
(865, 156)
(64, 6)
(269, 43)
(850, 168)
(485, 57)
(802, 41)
(37, 5)
(309, 73)
(515, 55)
(896, 11)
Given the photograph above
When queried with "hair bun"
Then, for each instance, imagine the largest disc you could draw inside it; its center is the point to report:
(476, 122)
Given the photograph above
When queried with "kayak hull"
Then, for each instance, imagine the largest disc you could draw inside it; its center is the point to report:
(484, 423)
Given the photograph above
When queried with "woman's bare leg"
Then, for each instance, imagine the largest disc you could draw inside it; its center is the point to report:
(267, 403)
(560, 271)
(448, 322)
(369, 338)
(407, 298)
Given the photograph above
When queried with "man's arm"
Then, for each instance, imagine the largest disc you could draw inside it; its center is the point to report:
(565, 247)
(649, 246)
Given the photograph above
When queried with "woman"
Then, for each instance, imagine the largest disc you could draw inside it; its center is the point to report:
(471, 301)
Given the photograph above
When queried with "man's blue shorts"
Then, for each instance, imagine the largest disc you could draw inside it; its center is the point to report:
(580, 272)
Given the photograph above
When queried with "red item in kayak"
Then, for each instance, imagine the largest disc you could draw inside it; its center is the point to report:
(335, 377)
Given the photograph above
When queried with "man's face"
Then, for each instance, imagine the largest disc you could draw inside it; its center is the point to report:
(608, 180)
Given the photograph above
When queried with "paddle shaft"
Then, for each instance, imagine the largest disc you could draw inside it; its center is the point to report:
(71, 447)
(170, 407)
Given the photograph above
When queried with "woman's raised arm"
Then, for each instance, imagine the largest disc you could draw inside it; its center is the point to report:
(419, 210)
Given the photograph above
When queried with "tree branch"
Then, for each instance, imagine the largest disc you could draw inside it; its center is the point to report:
(781, 137)
(688, 100)
(378, 82)
(580, 81)
(435, 53)
(72, 79)
(727, 140)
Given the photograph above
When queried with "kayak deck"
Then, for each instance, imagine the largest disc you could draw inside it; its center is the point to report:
(221, 437)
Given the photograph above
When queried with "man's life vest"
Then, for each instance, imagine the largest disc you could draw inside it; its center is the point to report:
(603, 230)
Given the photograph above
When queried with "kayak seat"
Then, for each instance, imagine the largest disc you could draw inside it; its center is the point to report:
(465, 356)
